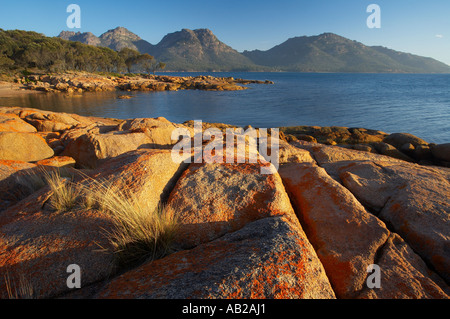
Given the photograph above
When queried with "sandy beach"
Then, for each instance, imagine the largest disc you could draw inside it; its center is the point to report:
(9, 89)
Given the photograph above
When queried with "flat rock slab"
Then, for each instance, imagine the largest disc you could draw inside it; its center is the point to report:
(269, 258)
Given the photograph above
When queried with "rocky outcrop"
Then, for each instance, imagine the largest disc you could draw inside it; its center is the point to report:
(75, 83)
(313, 229)
(348, 239)
(404, 146)
(90, 144)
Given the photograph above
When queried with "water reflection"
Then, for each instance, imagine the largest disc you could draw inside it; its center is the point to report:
(88, 104)
(416, 104)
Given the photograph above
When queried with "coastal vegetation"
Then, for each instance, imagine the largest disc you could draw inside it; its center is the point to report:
(23, 50)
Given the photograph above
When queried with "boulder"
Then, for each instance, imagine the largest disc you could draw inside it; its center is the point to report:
(26, 147)
(441, 152)
(345, 236)
(10, 122)
(266, 259)
(215, 199)
(90, 148)
(389, 150)
(49, 121)
(158, 130)
(400, 139)
(90, 144)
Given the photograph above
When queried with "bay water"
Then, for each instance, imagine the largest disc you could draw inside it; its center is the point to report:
(411, 103)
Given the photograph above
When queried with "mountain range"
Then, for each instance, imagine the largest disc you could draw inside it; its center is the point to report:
(201, 50)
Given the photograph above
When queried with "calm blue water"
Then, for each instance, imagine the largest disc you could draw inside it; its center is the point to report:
(416, 104)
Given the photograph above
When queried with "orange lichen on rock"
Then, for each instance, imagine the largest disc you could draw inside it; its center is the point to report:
(345, 236)
(213, 199)
(269, 258)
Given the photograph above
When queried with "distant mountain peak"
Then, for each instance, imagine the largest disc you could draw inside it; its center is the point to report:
(86, 37)
(66, 35)
(201, 50)
(120, 33)
(329, 52)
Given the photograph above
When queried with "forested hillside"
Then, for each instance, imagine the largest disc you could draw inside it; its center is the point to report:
(26, 49)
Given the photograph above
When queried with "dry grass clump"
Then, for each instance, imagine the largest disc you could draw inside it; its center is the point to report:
(21, 290)
(140, 233)
(65, 192)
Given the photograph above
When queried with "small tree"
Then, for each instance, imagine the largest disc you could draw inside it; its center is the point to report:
(159, 66)
(146, 61)
(131, 57)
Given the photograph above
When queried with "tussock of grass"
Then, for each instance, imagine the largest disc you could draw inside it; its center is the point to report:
(65, 192)
(139, 232)
(22, 290)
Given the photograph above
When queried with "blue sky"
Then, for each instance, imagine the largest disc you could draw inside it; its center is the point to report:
(414, 26)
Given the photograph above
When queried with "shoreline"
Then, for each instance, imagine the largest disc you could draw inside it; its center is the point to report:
(402, 146)
(11, 89)
(80, 82)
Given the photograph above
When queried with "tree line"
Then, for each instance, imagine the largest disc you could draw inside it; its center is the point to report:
(27, 50)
